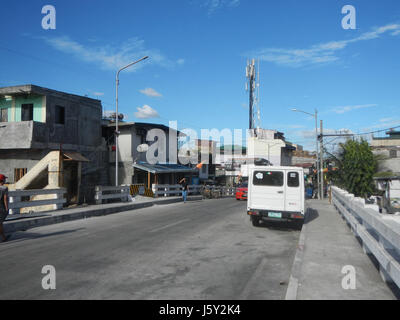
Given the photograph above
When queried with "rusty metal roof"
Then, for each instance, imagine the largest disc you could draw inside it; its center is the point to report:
(75, 156)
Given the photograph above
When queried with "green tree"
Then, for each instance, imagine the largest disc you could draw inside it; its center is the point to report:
(357, 166)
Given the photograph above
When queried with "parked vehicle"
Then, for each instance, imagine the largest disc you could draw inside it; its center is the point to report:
(241, 192)
(276, 194)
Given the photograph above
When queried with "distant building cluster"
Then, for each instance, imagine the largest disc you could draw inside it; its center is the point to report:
(36, 121)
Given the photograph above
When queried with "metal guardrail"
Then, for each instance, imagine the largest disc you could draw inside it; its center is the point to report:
(167, 190)
(17, 199)
(108, 192)
(379, 238)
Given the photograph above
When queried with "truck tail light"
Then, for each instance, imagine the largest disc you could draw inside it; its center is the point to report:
(296, 216)
(253, 213)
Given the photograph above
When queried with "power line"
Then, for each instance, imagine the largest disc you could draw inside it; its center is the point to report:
(376, 131)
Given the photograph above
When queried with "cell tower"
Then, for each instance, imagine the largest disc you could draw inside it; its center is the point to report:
(253, 86)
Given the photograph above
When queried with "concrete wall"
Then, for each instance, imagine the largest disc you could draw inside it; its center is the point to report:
(376, 143)
(389, 165)
(11, 159)
(82, 121)
(82, 125)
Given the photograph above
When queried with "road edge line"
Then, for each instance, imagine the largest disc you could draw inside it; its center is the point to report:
(291, 291)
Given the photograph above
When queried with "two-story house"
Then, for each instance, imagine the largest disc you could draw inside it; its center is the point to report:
(35, 121)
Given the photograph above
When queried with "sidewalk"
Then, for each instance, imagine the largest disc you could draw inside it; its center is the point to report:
(22, 222)
(326, 245)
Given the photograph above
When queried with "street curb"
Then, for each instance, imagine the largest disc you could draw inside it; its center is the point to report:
(22, 225)
(291, 292)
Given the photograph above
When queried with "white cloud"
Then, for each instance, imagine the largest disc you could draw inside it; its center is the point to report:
(317, 54)
(98, 94)
(214, 5)
(111, 56)
(146, 112)
(344, 109)
(150, 92)
(386, 119)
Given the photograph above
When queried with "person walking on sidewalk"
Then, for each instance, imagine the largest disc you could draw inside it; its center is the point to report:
(3, 206)
(184, 185)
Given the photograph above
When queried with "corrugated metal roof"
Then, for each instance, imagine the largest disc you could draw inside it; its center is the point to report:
(75, 156)
(163, 168)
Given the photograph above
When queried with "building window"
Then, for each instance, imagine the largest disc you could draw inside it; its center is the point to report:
(142, 135)
(3, 114)
(19, 173)
(27, 112)
(393, 153)
(60, 115)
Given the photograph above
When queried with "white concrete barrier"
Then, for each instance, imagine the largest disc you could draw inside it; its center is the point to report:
(112, 192)
(171, 190)
(16, 201)
(168, 190)
(380, 236)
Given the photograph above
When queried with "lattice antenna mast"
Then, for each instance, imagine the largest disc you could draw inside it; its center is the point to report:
(257, 98)
(250, 86)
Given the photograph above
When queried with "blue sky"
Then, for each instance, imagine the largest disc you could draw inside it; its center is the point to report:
(198, 51)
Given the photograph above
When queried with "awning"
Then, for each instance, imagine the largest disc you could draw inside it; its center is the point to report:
(163, 168)
(74, 156)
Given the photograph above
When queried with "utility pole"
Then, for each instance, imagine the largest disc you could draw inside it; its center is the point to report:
(322, 161)
(316, 149)
(315, 115)
(116, 115)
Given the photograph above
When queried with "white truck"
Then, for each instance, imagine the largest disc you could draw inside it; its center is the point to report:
(276, 194)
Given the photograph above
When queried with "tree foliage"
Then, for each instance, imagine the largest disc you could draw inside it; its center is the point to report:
(357, 166)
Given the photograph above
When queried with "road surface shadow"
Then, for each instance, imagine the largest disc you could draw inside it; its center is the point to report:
(20, 236)
(310, 215)
(281, 226)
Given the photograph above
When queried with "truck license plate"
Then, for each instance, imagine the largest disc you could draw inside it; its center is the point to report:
(275, 214)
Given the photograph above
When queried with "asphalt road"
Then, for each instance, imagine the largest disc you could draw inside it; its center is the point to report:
(199, 250)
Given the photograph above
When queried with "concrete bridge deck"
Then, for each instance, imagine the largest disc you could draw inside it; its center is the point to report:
(326, 248)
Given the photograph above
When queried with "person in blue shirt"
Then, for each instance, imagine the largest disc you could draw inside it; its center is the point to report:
(184, 185)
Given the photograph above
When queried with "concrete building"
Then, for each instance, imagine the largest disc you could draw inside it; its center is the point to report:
(303, 158)
(263, 146)
(133, 166)
(229, 161)
(270, 145)
(36, 121)
(208, 149)
(389, 148)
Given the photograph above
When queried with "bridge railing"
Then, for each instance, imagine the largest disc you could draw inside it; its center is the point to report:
(173, 190)
(379, 234)
(169, 190)
(52, 199)
(104, 193)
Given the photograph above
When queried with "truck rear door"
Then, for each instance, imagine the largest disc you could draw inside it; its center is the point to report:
(268, 190)
(294, 193)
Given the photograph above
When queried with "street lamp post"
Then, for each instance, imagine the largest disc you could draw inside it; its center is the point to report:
(315, 115)
(116, 115)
